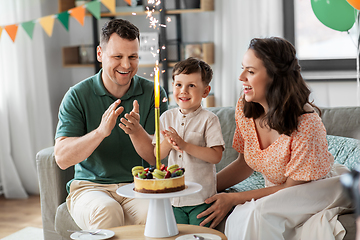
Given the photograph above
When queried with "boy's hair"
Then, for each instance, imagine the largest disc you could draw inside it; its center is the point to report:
(193, 65)
(122, 28)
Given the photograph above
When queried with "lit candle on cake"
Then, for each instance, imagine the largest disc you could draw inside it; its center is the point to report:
(157, 114)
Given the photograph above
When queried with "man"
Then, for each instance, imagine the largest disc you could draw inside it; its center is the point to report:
(87, 135)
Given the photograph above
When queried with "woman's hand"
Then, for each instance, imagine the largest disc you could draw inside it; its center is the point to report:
(222, 204)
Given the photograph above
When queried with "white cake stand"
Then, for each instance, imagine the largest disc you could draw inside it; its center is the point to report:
(160, 220)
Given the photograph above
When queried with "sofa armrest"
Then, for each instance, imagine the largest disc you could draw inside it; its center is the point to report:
(52, 184)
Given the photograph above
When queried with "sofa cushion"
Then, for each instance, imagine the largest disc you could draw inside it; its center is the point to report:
(255, 181)
(226, 117)
(345, 150)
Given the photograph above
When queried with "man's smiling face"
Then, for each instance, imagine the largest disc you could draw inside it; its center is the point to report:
(120, 61)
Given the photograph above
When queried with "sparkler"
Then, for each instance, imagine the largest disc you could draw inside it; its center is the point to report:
(157, 114)
(153, 24)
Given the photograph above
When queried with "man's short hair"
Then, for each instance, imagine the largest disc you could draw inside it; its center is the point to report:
(122, 28)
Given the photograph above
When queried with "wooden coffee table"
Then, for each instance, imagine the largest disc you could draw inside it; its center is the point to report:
(136, 232)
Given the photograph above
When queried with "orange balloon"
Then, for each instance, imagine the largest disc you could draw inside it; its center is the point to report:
(354, 3)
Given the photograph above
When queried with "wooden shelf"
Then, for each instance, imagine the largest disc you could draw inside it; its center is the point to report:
(209, 101)
(147, 65)
(171, 64)
(208, 53)
(109, 14)
(64, 5)
(72, 56)
(123, 13)
(205, 5)
(79, 65)
(203, 51)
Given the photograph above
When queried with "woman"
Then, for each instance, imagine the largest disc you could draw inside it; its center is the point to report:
(280, 134)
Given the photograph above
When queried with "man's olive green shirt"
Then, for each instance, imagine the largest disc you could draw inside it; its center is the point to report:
(81, 111)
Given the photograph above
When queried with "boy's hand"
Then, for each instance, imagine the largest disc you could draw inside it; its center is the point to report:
(174, 139)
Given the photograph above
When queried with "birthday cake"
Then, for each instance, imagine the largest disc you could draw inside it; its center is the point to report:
(163, 180)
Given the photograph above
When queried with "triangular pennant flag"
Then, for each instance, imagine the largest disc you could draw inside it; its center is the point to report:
(48, 24)
(0, 31)
(29, 27)
(128, 2)
(94, 8)
(78, 13)
(64, 19)
(110, 4)
(12, 30)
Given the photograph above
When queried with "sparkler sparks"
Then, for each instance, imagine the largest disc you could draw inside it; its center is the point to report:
(153, 21)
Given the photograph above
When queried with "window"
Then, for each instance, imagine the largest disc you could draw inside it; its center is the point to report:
(319, 48)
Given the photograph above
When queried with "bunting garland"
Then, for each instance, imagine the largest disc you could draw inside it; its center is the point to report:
(94, 9)
(79, 14)
(110, 4)
(11, 31)
(28, 27)
(128, 2)
(64, 19)
(47, 22)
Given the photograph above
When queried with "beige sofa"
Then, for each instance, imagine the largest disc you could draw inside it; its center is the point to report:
(343, 122)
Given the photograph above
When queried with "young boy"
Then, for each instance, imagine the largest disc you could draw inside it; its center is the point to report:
(191, 137)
